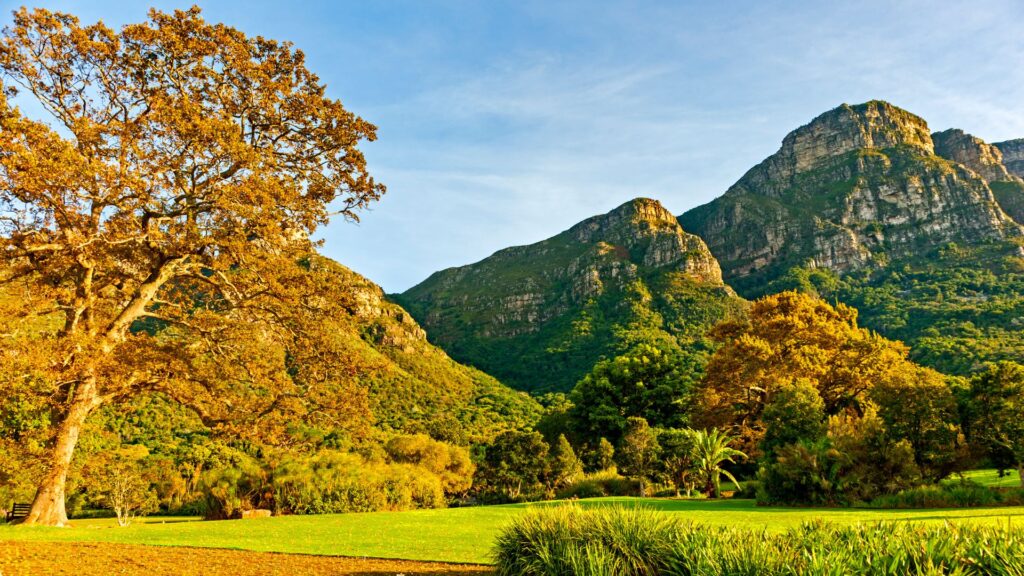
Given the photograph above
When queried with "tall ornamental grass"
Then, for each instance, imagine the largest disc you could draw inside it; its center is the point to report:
(570, 540)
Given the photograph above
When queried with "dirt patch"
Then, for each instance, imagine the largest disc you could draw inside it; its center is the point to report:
(87, 559)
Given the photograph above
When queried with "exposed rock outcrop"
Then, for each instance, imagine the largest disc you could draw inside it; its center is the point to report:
(857, 186)
(973, 152)
(1013, 155)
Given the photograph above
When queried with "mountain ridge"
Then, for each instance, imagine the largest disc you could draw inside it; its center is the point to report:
(857, 185)
(559, 301)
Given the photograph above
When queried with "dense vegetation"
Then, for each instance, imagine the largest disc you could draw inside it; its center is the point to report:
(172, 341)
(637, 542)
(820, 410)
(957, 306)
(407, 386)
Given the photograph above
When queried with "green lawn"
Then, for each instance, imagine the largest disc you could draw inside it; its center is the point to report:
(454, 535)
(991, 478)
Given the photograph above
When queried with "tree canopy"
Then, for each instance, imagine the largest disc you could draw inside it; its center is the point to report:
(154, 224)
(791, 339)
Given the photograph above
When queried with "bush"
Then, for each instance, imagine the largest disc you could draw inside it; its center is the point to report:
(229, 491)
(857, 462)
(748, 490)
(952, 495)
(449, 463)
(337, 482)
(567, 540)
(599, 484)
(637, 542)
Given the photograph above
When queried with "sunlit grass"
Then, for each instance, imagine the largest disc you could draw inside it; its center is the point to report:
(455, 534)
(1011, 478)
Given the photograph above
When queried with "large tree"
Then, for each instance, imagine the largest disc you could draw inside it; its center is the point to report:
(995, 414)
(791, 338)
(154, 218)
(647, 382)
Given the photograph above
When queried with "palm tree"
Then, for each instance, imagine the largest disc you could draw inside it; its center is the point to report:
(710, 450)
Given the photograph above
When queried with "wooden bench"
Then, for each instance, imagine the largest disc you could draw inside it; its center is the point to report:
(18, 512)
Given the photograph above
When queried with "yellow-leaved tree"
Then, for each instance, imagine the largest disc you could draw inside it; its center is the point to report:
(155, 221)
(795, 340)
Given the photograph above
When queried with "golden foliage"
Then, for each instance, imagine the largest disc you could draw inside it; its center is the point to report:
(161, 214)
(790, 337)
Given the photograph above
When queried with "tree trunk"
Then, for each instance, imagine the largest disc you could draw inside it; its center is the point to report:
(48, 506)
(1020, 472)
(709, 488)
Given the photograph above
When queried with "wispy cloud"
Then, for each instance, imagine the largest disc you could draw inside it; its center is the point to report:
(506, 122)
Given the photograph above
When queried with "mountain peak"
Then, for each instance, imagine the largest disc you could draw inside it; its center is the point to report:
(841, 131)
(856, 187)
(1013, 155)
(983, 158)
(631, 219)
(575, 297)
(873, 124)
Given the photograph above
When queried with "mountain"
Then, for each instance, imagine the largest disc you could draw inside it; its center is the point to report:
(413, 385)
(986, 160)
(989, 162)
(865, 205)
(856, 187)
(1013, 155)
(539, 317)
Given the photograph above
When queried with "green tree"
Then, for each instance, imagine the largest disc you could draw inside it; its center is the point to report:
(996, 414)
(601, 457)
(795, 412)
(710, 451)
(677, 457)
(921, 408)
(563, 465)
(647, 382)
(637, 455)
(556, 419)
(856, 461)
(514, 464)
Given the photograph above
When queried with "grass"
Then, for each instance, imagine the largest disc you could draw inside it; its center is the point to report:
(991, 478)
(456, 534)
(637, 542)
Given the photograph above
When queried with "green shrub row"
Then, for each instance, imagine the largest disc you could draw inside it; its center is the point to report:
(570, 540)
(951, 495)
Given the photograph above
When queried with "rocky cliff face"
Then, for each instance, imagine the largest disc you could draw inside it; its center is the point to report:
(1013, 155)
(539, 316)
(858, 186)
(984, 158)
(987, 161)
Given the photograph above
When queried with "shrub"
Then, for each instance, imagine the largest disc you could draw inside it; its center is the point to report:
(568, 540)
(857, 462)
(598, 484)
(337, 482)
(951, 495)
(230, 490)
(450, 463)
(748, 490)
(637, 542)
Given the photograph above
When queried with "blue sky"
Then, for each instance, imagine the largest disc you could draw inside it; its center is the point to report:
(504, 123)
